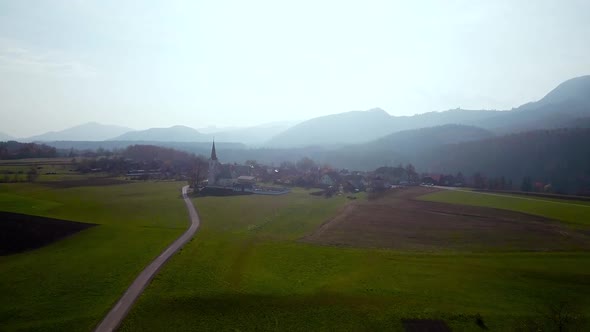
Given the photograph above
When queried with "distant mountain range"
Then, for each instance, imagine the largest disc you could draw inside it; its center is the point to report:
(343, 128)
(171, 134)
(255, 135)
(566, 106)
(558, 109)
(91, 131)
(546, 140)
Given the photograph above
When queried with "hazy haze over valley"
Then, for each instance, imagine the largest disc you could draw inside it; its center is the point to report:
(160, 64)
(441, 86)
(177, 165)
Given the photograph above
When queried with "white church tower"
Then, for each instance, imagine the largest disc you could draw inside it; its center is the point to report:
(213, 166)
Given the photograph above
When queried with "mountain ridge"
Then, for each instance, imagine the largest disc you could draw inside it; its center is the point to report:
(360, 126)
(560, 107)
(566, 102)
(90, 131)
(177, 133)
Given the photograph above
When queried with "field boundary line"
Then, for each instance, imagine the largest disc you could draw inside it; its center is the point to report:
(120, 310)
(512, 196)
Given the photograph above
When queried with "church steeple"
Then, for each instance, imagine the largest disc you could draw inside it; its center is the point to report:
(214, 167)
(213, 153)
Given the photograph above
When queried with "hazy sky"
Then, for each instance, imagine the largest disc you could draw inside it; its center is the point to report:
(199, 63)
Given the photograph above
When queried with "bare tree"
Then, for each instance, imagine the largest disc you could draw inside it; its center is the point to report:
(199, 172)
(411, 172)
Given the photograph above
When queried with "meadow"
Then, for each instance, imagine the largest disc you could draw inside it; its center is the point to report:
(248, 270)
(71, 284)
(574, 213)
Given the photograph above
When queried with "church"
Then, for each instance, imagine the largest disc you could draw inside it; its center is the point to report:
(227, 175)
(234, 179)
(214, 167)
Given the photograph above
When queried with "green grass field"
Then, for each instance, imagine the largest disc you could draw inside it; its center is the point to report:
(71, 284)
(52, 169)
(246, 271)
(572, 212)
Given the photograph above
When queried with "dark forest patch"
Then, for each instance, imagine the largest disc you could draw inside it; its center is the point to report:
(21, 232)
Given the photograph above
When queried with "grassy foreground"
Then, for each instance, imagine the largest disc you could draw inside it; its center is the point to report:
(246, 271)
(71, 284)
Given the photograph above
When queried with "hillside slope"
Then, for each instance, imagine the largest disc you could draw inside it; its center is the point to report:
(568, 101)
(401, 146)
(559, 156)
(343, 128)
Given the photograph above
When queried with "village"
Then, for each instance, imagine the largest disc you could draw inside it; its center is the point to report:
(254, 178)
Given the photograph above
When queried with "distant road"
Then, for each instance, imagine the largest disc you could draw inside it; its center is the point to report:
(515, 196)
(114, 318)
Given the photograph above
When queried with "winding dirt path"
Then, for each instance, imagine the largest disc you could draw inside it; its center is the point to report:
(114, 318)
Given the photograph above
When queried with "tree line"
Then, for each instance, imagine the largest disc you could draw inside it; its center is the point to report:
(17, 150)
(170, 163)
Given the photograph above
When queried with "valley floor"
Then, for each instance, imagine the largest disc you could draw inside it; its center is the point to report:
(297, 262)
(249, 269)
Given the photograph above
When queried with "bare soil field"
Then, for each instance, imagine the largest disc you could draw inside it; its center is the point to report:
(20, 232)
(398, 221)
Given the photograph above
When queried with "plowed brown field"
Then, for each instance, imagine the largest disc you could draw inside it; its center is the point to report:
(398, 220)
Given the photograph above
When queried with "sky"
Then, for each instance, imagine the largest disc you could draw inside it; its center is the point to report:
(146, 64)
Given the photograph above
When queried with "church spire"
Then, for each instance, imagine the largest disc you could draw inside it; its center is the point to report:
(213, 153)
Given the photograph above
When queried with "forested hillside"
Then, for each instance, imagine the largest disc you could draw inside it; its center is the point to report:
(558, 157)
(402, 146)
